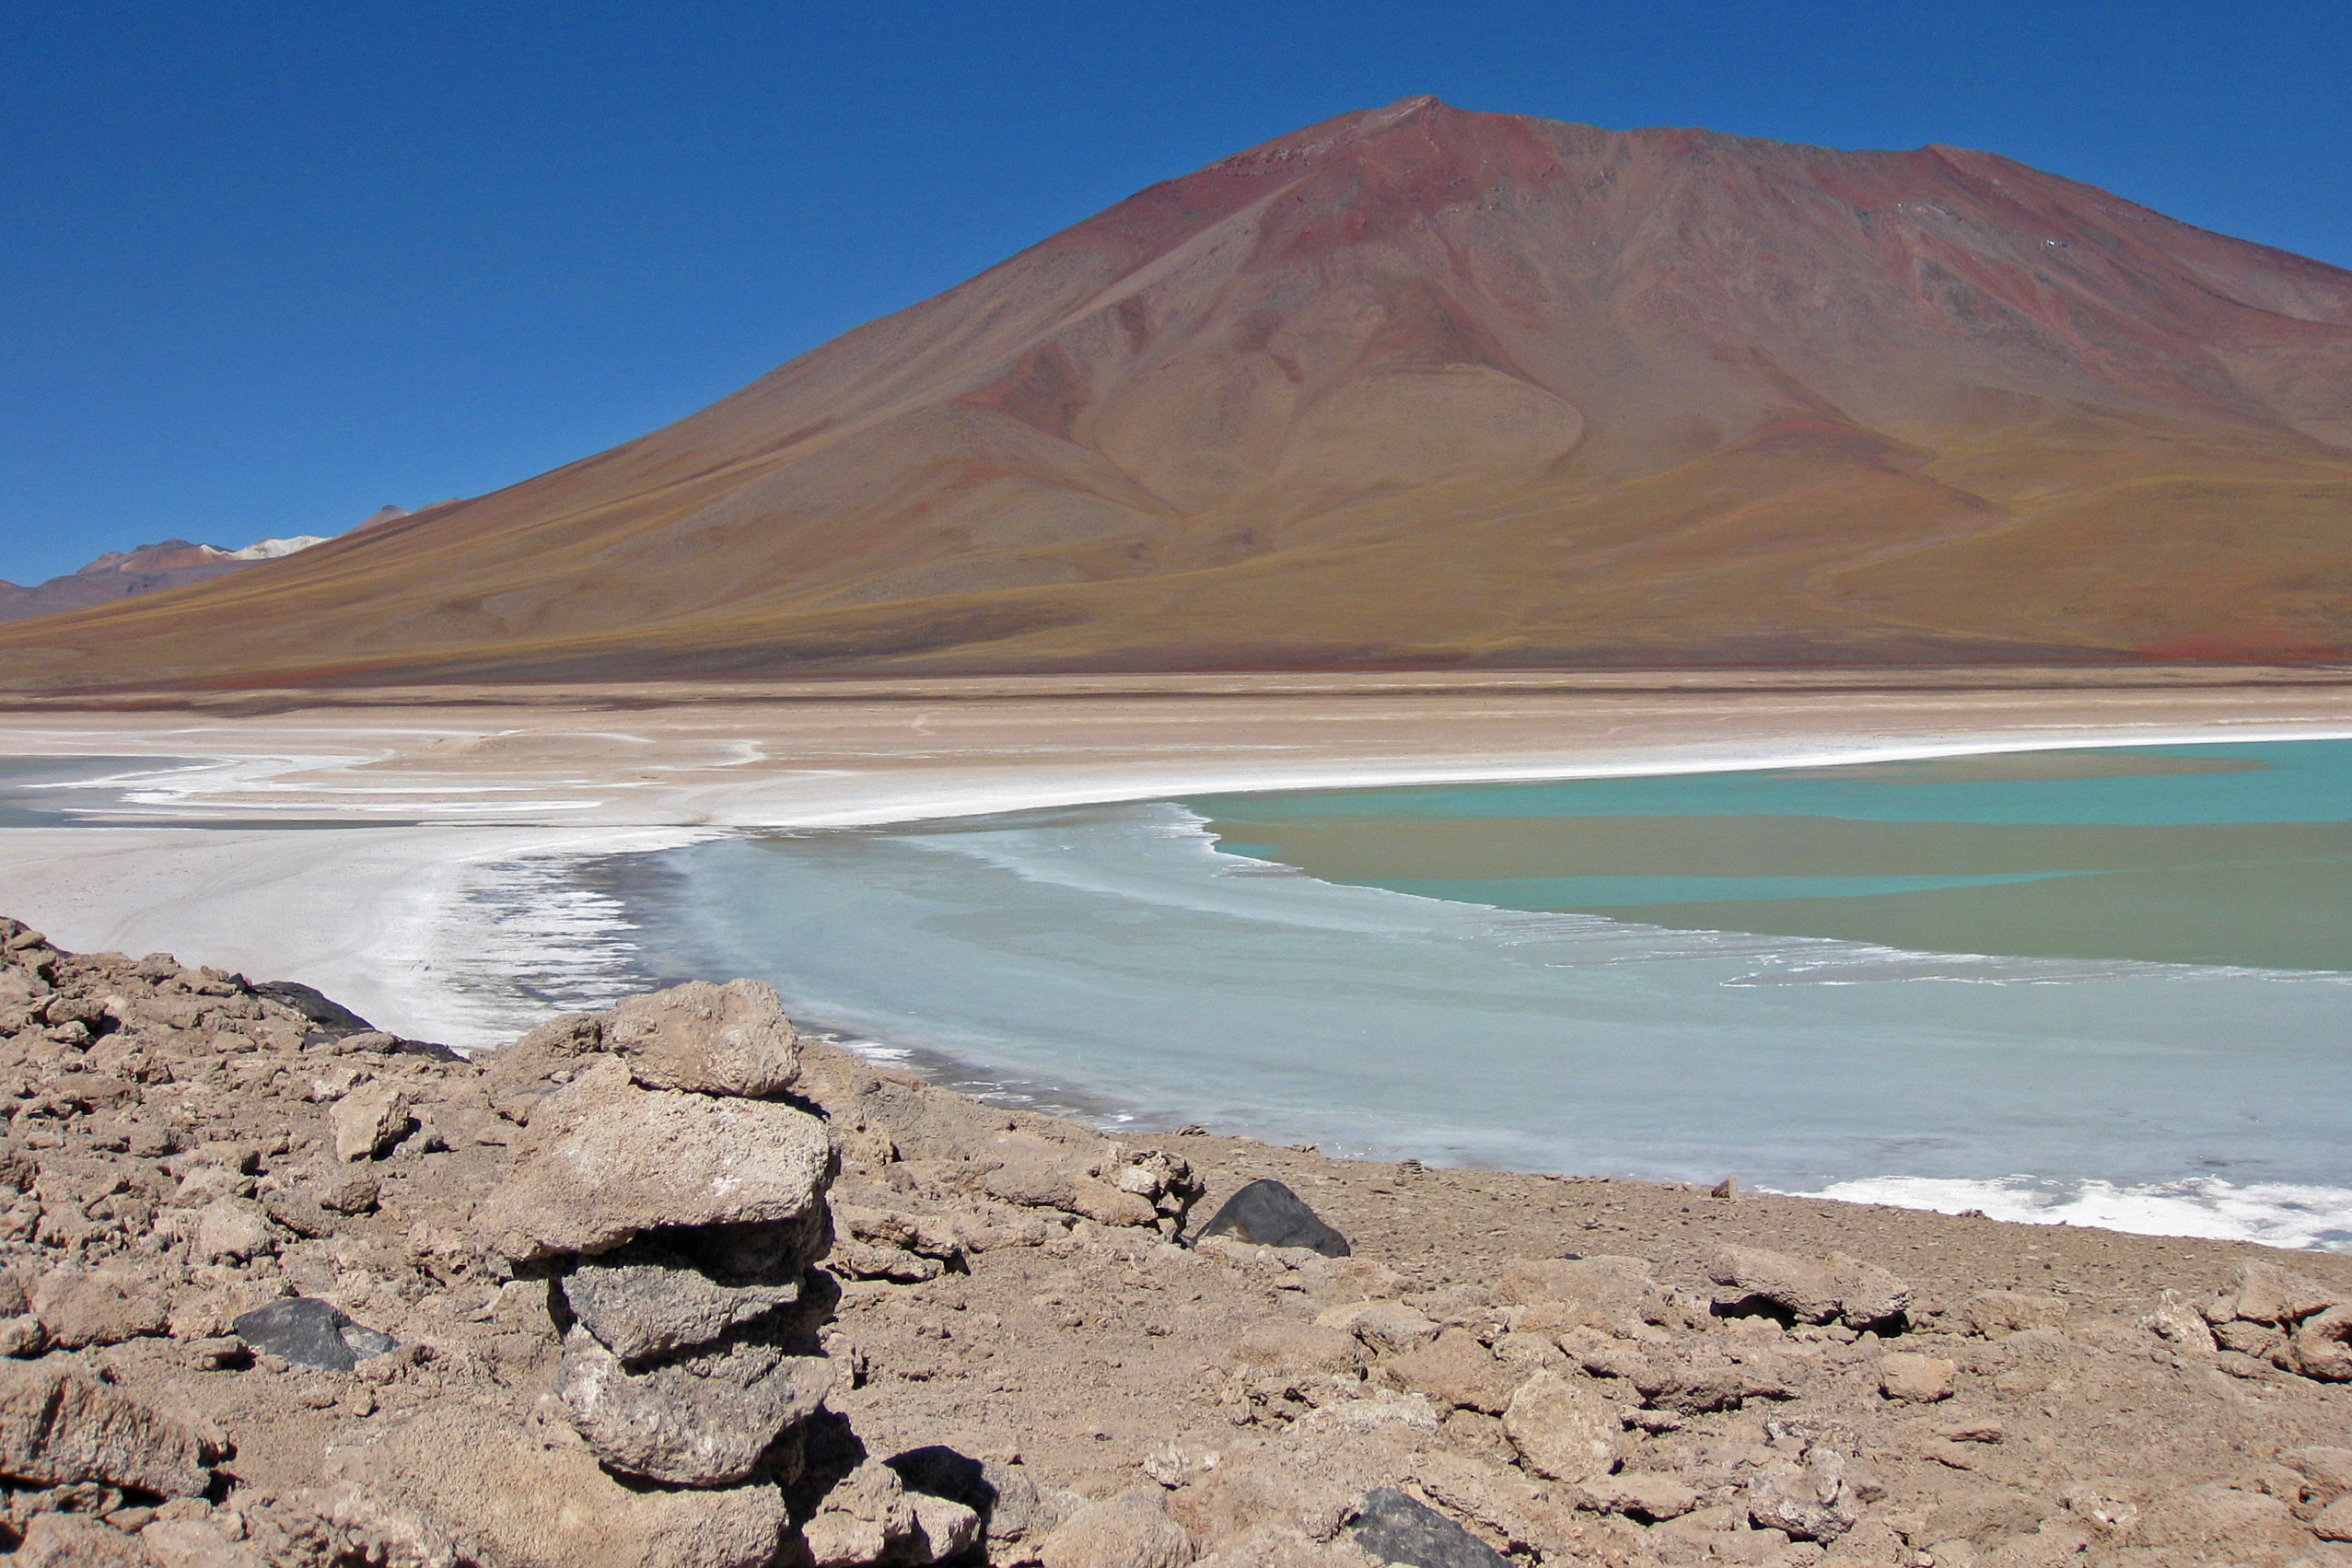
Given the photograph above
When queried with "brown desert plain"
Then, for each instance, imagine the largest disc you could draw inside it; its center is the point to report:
(1419, 386)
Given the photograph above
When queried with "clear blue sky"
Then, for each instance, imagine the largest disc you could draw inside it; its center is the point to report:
(264, 268)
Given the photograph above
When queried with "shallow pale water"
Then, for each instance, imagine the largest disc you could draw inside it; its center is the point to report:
(2036, 1065)
(48, 792)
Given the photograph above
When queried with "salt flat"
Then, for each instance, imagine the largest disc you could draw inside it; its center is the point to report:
(414, 802)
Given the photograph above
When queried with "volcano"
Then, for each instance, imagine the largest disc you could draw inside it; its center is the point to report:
(1424, 388)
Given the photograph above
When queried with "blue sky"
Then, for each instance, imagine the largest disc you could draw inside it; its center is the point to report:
(267, 267)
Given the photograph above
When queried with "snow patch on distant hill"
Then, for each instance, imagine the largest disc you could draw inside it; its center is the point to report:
(169, 564)
(272, 549)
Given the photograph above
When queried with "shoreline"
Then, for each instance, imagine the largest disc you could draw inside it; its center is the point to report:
(405, 921)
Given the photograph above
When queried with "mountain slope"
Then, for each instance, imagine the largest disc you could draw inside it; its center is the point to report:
(1421, 385)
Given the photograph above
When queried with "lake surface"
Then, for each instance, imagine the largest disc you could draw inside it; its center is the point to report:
(2210, 854)
(2111, 986)
(48, 792)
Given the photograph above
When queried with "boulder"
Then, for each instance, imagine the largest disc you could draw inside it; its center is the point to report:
(77, 1540)
(704, 1420)
(647, 1299)
(1806, 1500)
(1563, 1429)
(81, 1308)
(2329, 1470)
(1646, 1495)
(2177, 1321)
(1027, 1170)
(2267, 1293)
(1842, 1289)
(1608, 1287)
(1128, 1531)
(1267, 1213)
(299, 1212)
(194, 1544)
(346, 1191)
(507, 1496)
(1390, 1327)
(2284, 1318)
(1914, 1379)
(1293, 1348)
(59, 1427)
(1699, 1390)
(1996, 1314)
(233, 1230)
(2321, 1345)
(369, 1121)
(944, 1530)
(1453, 1369)
(862, 1518)
(602, 1161)
(1395, 1528)
(1001, 1496)
(311, 1332)
(713, 1040)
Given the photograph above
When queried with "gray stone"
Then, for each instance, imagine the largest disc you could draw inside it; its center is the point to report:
(647, 1299)
(713, 1040)
(862, 1516)
(1859, 1295)
(371, 1119)
(311, 1332)
(1267, 1213)
(704, 1420)
(602, 1161)
(1393, 1527)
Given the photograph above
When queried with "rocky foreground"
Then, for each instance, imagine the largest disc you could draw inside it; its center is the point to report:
(671, 1286)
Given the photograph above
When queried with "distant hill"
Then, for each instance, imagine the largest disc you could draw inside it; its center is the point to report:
(1423, 386)
(173, 564)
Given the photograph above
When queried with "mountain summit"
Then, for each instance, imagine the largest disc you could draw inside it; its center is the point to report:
(1419, 385)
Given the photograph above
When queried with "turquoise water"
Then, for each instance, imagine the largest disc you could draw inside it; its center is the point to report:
(2301, 781)
(1246, 961)
(2209, 855)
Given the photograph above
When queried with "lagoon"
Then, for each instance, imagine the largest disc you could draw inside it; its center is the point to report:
(2106, 985)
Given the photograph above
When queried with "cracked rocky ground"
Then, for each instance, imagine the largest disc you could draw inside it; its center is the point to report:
(671, 1285)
